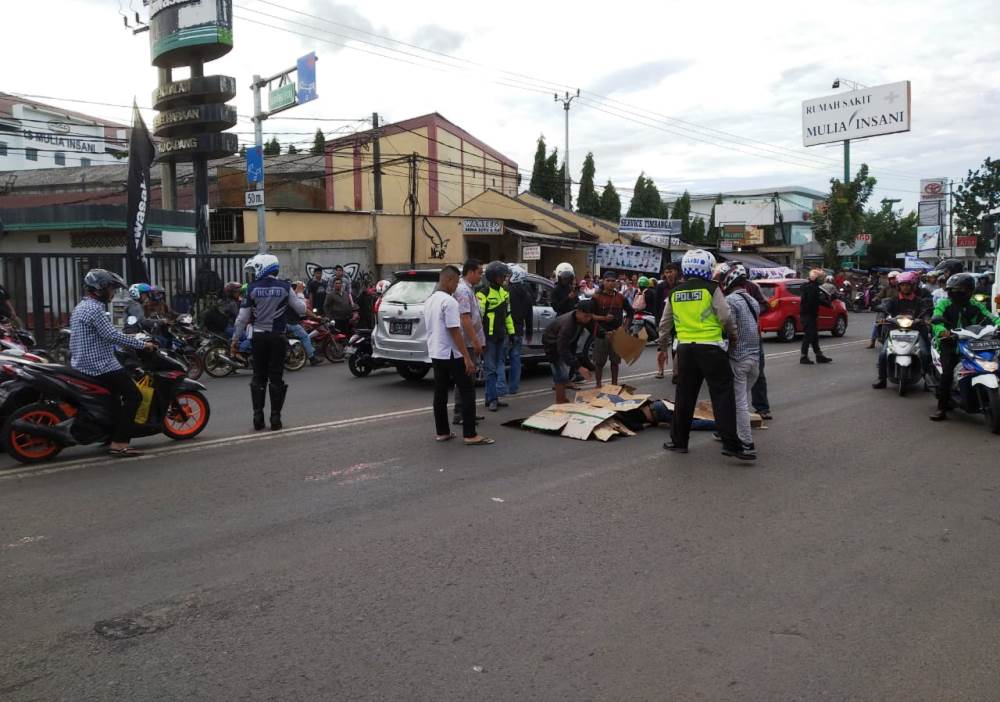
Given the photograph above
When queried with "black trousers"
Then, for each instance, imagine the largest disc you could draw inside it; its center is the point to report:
(949, 359)
(268, 350)
(704, 362)
(447, 373)
(128, 399)
(758, 393)
(810, 334)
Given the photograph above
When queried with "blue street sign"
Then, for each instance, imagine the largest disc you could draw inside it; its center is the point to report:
(306, 70)
(255, 165)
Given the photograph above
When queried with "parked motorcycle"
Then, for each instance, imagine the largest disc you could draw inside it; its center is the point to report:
(66, 408)
(904, 364)
(326, 338)
(219, 363)
(359, 354)
(644, 320)
(975, 388)
(58, 350)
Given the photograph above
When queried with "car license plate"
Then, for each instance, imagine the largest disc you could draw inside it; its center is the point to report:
(400, 326)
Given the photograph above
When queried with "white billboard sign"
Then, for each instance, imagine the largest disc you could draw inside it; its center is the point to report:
(756, 213)
(631, 258)
(927, 238)
(866, 112)
(933, 188)
(649, 225)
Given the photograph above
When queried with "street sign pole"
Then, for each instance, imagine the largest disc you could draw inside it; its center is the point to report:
(305, 68)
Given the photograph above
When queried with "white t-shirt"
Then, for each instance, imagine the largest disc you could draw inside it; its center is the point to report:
(440, 315)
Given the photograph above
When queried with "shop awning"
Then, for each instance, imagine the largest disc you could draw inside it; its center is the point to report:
(561, 242)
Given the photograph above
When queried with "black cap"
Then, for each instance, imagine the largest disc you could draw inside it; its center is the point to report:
(610, 274)
(585, 306)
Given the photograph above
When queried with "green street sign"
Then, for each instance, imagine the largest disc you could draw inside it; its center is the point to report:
(282, 96)
(847, 265)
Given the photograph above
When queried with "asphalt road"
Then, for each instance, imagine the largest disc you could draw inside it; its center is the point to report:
(353, 558)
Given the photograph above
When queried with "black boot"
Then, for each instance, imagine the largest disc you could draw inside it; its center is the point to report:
(257, 395)
(879, 384)
(277, 402)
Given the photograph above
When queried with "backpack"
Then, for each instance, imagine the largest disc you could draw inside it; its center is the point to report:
(639, 302)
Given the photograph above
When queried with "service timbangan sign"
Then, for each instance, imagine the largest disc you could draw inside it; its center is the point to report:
(858, 114)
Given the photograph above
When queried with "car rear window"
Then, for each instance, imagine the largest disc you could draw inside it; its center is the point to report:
(410, 292)
(768, 290)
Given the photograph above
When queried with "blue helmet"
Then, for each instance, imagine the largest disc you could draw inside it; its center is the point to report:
(136, 290)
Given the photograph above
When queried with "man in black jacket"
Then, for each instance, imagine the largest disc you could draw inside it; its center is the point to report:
(560, 341)
(522, 308)
(812, 298)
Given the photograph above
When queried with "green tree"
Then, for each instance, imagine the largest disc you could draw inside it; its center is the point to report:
(696, 232)
(682, 211)
(646, 200)
(319, 143)
(838, 218)
(587, 201)
(611, 204)
(891, 234)
(292, 149)
(539, 185)
(977, 195)
(243, 150)
(712, 235)
(552, 179)
(272, 148)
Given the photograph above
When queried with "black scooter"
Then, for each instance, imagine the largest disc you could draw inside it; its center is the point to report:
(359, 354)
(60, 407)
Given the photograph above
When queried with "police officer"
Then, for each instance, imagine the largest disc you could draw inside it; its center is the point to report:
(494, 303)
(268, 299)
(696, 312)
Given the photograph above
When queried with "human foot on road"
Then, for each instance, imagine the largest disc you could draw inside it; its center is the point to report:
(444, 437)
(479, 441)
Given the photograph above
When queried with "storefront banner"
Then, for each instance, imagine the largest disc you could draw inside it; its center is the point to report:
(631, 258)
(927, 238)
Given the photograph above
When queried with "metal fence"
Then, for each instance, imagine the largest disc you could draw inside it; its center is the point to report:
(46, 287)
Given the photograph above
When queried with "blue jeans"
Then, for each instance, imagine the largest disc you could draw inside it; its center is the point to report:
(493, 360)
(514, 383)
(302, 335)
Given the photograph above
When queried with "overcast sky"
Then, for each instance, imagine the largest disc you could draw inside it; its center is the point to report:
(735, 73)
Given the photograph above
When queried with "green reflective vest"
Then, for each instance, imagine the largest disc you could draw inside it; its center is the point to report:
(694, 317)
(494, 303)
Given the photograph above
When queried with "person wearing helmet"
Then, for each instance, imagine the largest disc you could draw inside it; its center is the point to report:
(564, 296)
(956, 311)
(610, 311)
(92, 343)
(812, 297)
(267, 299)
(494, 304)
(907, 302)
(230, 304)
(138, 297)
(522, 310)
(744, 354)
(381, 286)
(697, 314)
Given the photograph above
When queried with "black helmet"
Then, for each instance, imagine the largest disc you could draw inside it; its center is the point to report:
(98, 280)
(949, 267)
(961, 281)
(496, 272)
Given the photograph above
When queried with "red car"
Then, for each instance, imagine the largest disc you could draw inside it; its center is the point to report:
(784, 297)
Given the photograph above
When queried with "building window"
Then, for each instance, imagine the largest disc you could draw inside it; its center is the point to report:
(31, 154)
(60, 158)
(3, 148)
(84, 161)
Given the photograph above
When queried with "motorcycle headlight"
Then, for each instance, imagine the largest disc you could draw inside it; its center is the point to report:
(904, 322)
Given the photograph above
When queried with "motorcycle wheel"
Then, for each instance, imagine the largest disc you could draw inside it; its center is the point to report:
(59, 355)
(990, 401)
(216, 366)
(296, 358)
(902, 385)
(25, 448)
(187, 416)
(195, 364)
(360, 365)
(334, 351)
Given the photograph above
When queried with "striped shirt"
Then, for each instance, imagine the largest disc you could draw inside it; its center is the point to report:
(745, 311)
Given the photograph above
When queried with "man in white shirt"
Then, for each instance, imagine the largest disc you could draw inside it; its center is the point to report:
(453, 365)
(472, 322)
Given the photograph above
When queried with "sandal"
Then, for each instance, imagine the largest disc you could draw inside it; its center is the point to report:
(127, 452)
(481, 441)
(658, 375)
(444, 437)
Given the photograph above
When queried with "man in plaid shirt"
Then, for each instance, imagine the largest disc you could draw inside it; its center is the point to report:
(92, 347)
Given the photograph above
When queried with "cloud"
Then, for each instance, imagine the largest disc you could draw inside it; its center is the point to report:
(339, 18)
(793, 74)
(438, 38)
(638, 77)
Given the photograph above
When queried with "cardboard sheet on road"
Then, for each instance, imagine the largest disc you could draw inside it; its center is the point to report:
(591, 414)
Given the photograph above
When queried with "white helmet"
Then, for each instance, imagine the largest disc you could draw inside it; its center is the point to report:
(565, 270)
(381, 286)
(262, 265)
(517, 273)
(698, 263)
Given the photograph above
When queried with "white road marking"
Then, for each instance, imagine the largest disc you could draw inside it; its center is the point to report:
(23, 541)
(93, 461)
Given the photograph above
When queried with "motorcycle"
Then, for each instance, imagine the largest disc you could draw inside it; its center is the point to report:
(644, 320)
(975, 388)
(326, 338)
(58, 351)
(182, 341)
(66, 408)
(219, 363)
(904, 364)
(846, 292)
(359, 354)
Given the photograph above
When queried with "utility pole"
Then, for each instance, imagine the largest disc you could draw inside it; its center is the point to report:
(413, 210)
(258, 140)
(568, 179)
(377, 158)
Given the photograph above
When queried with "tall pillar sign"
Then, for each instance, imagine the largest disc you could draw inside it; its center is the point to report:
(193, 114)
